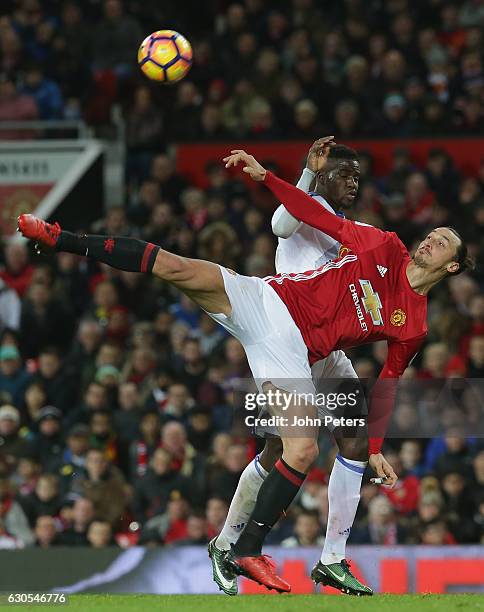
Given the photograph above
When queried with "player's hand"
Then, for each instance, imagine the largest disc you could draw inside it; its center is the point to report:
(251, 165)
(318, 153)
(383, 470)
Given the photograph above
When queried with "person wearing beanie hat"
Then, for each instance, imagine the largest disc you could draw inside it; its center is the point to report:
(395, 122)
(9, 413)
(108, 375)
(13, 444)
(13, 377)
(48, 443)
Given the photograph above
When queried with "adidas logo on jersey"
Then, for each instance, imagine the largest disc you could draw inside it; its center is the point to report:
(382, 270)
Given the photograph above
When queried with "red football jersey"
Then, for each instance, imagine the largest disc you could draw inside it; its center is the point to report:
(361, 297)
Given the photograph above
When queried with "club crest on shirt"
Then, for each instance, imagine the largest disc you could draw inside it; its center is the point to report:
(398, 317)
(343, 251)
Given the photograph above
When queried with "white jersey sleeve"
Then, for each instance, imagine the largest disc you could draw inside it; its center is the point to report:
(283, 223)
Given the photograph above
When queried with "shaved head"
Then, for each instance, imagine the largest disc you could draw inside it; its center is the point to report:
(338, 181)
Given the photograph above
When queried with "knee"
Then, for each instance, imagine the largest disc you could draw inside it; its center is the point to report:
(271, 453)
(301, 454)
(171, 267)
(354, 448)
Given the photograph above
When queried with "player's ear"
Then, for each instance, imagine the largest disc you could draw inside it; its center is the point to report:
(452, 267)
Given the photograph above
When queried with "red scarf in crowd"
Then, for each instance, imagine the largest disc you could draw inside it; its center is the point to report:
(142, 457)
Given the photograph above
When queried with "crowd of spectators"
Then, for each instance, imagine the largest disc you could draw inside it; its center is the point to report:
(263, 69)
(116, 392)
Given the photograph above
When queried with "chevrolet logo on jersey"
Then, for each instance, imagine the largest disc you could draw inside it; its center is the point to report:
(371, 302)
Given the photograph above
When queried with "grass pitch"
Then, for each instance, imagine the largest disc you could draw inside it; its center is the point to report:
(266, 603)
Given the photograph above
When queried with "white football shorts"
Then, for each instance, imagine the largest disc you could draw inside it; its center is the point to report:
(274, 346)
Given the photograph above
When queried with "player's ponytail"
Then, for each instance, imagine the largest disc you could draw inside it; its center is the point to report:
(463, 258)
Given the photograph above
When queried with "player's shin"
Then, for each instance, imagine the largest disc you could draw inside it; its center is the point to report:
(121, 252)
(242, 504)
(275, 495)
(344, 496)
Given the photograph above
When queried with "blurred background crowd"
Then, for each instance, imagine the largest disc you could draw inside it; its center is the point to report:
(116, 393)
(262, 69)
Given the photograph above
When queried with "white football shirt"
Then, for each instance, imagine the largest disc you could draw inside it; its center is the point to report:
(307, 248)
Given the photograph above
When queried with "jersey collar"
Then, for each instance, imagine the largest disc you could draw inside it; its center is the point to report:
(340, 213)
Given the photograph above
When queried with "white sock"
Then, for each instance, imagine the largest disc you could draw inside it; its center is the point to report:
(344, 495)
(242, 503)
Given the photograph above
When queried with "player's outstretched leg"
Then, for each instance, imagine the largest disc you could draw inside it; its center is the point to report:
(200, 280)
(241, 508)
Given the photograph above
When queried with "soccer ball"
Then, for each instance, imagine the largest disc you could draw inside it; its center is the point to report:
(165, 56)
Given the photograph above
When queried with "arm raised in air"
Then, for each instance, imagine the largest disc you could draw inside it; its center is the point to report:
(283, 223)
(356, 236)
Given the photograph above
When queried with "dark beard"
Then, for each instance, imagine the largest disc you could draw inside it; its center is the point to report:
(418, 260)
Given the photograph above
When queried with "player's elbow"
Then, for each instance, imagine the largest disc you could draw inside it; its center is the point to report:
(280, 229)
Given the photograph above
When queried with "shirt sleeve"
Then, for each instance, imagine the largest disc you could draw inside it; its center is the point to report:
(382, 396)
(356, 236)
(283, 223)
